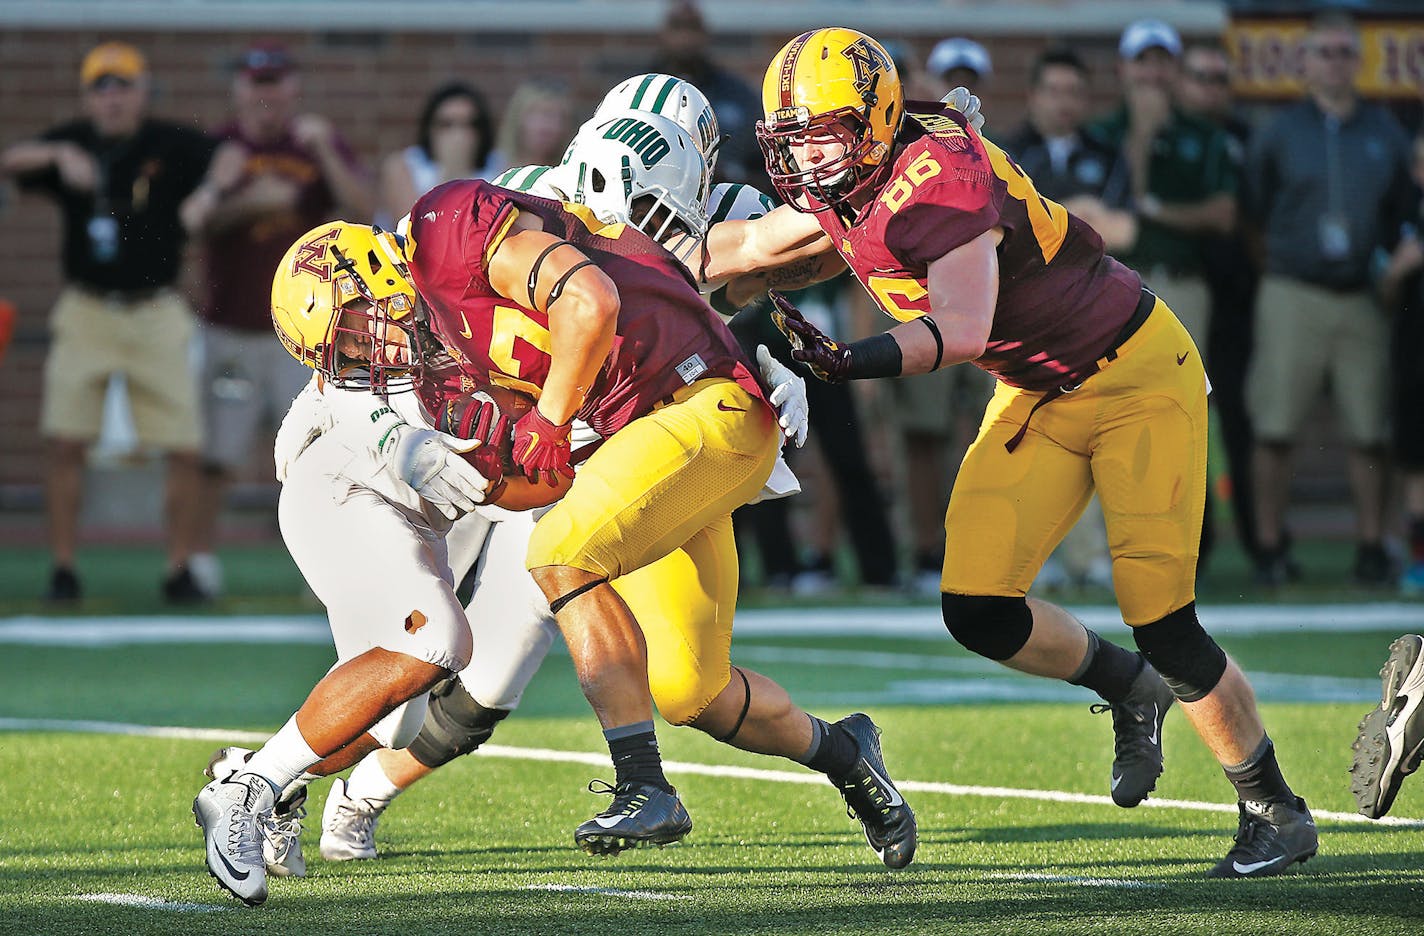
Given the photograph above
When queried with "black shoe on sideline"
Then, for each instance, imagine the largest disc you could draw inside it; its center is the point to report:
(182, 588)
(63, 585)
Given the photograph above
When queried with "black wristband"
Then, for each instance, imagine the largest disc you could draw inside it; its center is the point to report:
(876, 356)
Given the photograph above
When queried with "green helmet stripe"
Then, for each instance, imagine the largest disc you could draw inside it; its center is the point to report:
(657, 107)
(724, 206)
(533, 177)
(642, 89)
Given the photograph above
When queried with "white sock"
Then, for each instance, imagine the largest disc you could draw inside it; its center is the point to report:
(284, 757)
(369, 782)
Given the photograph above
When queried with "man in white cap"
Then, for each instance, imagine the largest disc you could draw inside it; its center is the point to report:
(1183, 179)
(959, 61)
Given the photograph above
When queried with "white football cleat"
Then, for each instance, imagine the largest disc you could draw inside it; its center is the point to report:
(281, 833)
(348, 826)
(231, 813)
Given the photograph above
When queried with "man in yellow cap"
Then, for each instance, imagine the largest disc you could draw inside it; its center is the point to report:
(129, 189)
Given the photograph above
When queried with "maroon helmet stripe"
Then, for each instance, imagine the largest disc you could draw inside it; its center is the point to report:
(788, 65)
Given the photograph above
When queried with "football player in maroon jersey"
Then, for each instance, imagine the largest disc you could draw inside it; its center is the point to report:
(1100, 388)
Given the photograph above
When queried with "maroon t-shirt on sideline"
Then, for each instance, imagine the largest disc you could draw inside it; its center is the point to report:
(667, 337)
(242, 259)
(1061, 299)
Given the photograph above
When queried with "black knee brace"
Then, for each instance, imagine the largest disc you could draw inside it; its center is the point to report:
(1190, 662)
(455, 724)
(992, 626)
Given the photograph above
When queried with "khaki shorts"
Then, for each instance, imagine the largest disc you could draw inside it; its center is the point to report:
(929, 404)
(248, 382)
(148, 342)
(1308, 337)
(1188, 296)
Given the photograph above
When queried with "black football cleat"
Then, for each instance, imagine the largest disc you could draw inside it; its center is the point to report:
(641, 814)
(1390, 744)
(1270, 838)
(871, 797)
(1137, 737)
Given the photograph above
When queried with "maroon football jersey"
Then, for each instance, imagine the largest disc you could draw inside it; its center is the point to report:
(1061, 299)
(667, 337)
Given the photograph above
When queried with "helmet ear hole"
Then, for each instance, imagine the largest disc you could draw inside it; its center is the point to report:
(599, 183)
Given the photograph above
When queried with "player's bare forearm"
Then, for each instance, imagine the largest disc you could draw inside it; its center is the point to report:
(736, 248)
(795, 275)
(583, 315)
(964, 291)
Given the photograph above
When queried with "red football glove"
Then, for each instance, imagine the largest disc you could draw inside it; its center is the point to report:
(828, 360)
(541, 449)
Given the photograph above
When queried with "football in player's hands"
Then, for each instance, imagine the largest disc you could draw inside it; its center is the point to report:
(491, 413)
(487, 414)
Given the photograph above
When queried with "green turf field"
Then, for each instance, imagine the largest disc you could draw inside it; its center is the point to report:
(485, 845)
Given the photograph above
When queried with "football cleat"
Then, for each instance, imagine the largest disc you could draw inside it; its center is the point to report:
(1390, 744)
(640, 814)
(348, 826)
(871, 797)
(282, 832)
(1270, 838)
(231, 812)
(1137, 737)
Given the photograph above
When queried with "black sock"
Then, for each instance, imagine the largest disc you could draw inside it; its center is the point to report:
(833, 751)
(635, 755)
(1108, 669)
(1258, 778)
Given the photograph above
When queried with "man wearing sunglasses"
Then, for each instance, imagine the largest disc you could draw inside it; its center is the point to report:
(1329, 178)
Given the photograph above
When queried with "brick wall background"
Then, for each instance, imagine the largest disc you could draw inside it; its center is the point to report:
(373, 85)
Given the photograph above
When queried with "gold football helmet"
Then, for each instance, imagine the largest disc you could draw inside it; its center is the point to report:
(837, 83)
(340, 297)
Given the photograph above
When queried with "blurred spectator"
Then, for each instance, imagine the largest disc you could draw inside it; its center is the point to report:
(918, 85)
(128, 190)
(1328, 177)
(957, 62)
(536, 127)
(1204, 91)
(1184, 185)
(1067, 163)
(682, 51)
(864, 513)
(279, 173)
(453, 140)
(1402, 291)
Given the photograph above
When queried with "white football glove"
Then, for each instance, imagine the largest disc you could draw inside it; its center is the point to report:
(967, 104)
(429, 461)
(788, 395)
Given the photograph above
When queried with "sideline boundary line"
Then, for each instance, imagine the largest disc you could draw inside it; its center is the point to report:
(705, 770)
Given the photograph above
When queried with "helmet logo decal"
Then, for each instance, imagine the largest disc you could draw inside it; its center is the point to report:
(310, 256)
(642, 138)
(786, 81)
(869, 61)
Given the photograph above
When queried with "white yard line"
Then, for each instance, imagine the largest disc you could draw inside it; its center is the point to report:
(918, 621)
(706, 770)
(1079, 880)
(150, 903)
(607, 892)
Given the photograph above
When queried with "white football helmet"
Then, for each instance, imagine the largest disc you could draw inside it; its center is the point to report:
(679, 101)
(615, 162)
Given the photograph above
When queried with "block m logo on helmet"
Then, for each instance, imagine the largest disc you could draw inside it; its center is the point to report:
(869, 61)
(642, 138)
(310, 256)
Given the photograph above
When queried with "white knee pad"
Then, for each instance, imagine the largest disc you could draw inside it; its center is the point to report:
(398, 729)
